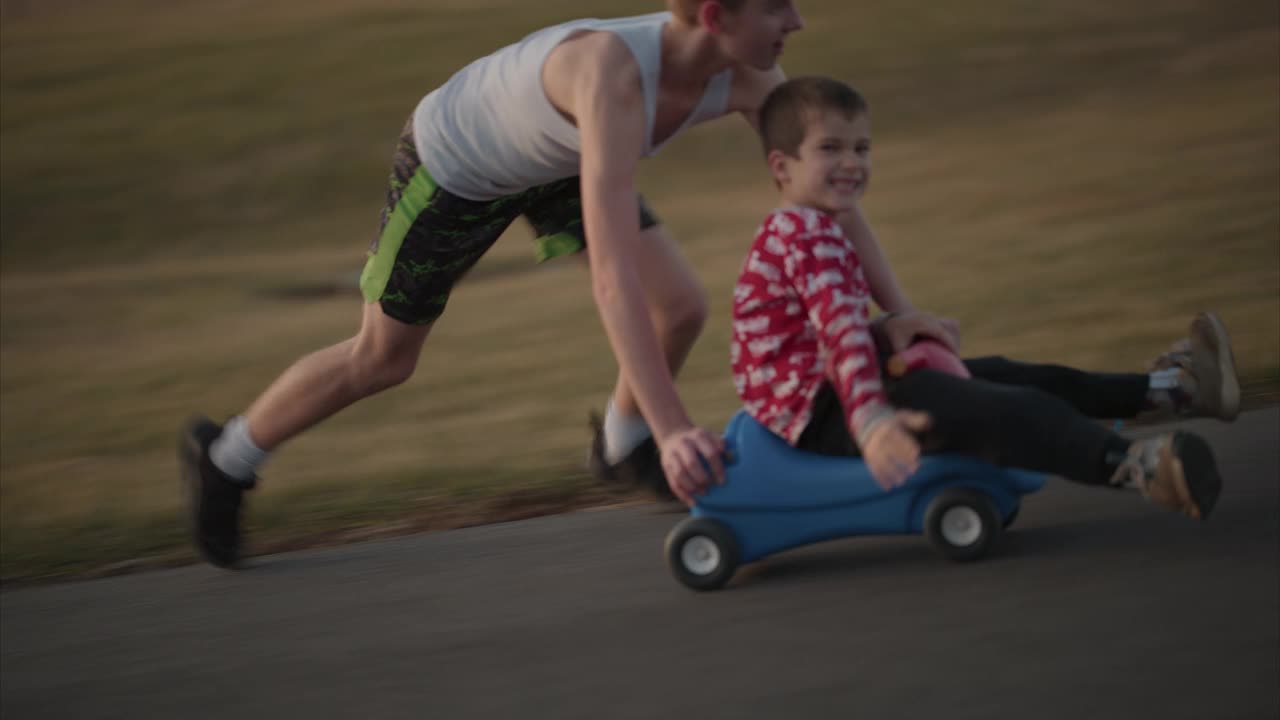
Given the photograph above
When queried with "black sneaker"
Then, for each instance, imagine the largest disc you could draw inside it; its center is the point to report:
(215, 498)
(642, 467)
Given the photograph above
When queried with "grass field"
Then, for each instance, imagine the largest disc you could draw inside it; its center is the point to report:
(188, 190)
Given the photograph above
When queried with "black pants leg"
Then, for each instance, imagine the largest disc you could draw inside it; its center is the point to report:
(1005, 424)
(1097, 395)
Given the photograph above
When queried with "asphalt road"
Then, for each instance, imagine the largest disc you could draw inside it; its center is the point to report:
(1094, 606)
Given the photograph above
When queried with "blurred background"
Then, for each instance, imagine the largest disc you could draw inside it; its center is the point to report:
(187, 190)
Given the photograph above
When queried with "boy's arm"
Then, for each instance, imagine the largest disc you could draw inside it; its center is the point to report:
(608, 107)
(817, 266)
(904, 323)
(884, 286)
(837, 307)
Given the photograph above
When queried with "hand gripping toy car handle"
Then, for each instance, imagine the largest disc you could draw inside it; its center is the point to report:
(926, 353)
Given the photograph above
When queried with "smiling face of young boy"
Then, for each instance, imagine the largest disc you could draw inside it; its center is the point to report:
(832, 165)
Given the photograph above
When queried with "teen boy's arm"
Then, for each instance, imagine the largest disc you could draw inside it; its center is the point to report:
(608, 107)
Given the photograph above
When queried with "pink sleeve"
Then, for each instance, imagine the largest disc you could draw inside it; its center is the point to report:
(823, 268)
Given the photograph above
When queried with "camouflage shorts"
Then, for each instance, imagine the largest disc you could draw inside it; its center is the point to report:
(428, 238)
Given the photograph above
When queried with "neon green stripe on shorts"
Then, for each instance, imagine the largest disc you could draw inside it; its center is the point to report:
(377, 269)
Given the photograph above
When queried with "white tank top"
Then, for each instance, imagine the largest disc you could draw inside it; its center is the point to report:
(491, 131)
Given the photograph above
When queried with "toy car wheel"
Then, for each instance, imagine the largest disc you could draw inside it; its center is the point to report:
(962, 524)
(702, 553)
(1013, 515)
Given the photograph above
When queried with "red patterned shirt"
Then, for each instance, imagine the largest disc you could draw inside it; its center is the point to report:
(801, 314)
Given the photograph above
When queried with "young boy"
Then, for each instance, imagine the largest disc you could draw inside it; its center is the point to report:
(807, 361)
(552, 128)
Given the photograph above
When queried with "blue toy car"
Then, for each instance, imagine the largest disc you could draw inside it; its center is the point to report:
(776, 497)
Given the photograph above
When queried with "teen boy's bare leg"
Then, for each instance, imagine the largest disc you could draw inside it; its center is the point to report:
(382, 354)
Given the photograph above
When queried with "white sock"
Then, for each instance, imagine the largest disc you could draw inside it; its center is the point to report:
(1165, 379)
(234, 452)
(622, 433)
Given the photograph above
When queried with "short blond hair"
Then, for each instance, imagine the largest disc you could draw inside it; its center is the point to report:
(687, 10)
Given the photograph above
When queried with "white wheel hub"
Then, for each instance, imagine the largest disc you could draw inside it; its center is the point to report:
(961, 525)
(700, 555)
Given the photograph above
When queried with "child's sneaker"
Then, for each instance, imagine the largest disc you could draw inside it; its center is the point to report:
(216, 499)
(641, 467)
(1207, 382)
(1175, 471)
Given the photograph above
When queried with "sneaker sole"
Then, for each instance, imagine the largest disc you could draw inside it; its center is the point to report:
(1199, 472)
(1229, 392)
(189, 458)
(189, 449)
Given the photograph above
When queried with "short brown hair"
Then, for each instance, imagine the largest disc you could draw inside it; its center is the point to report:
(687, 10)
(789, 108)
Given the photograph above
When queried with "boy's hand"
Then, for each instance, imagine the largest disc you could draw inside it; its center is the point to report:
(892, 452)
(687, 455)
(903, 329)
